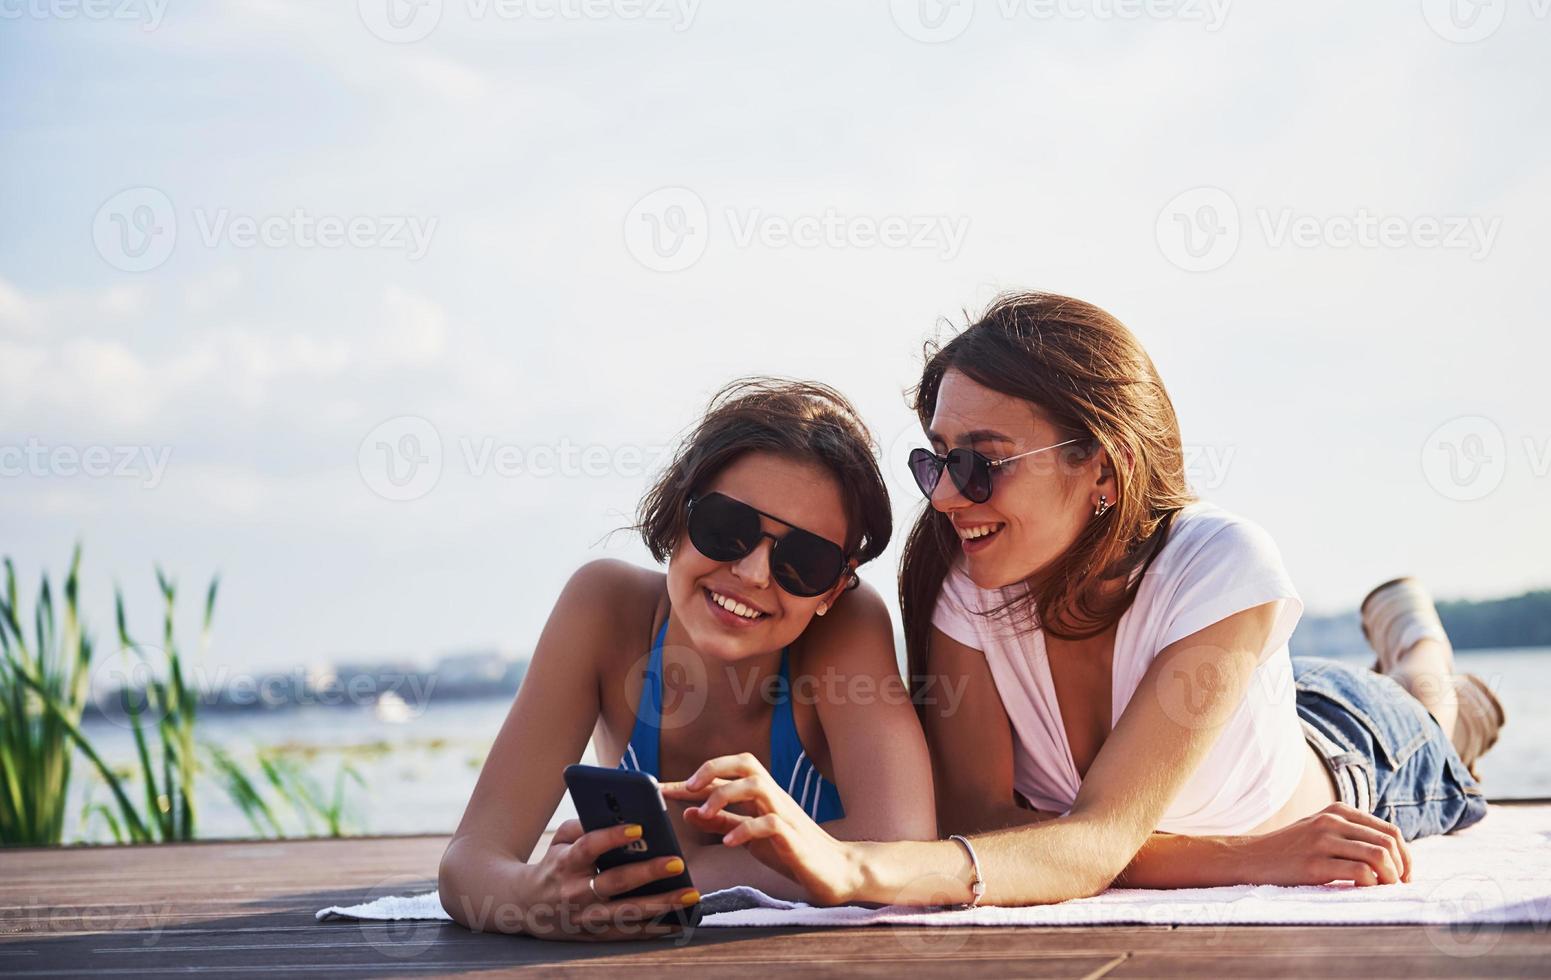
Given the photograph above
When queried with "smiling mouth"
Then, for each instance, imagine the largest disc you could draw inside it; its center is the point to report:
(977, 532)
(735, 607)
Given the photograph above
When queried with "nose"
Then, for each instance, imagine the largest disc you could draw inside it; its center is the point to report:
(949, 500)
(754, 567)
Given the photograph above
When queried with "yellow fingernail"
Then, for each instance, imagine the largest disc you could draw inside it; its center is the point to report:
(689, 898)
(675, 866)
(633, 831)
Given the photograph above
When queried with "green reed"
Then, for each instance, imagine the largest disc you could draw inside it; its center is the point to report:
(44, 687)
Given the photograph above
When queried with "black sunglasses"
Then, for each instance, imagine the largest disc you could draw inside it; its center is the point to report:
(801, 562)
(969, 470)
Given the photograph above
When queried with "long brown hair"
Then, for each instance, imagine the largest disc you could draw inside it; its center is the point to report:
(1091, 378)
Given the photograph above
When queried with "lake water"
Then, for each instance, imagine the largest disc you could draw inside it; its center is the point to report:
(419, 773)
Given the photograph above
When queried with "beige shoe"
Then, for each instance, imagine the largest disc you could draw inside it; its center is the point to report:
(1479, 721)
(1395, 616)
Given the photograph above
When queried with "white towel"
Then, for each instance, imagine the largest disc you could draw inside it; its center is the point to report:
(1498, 871)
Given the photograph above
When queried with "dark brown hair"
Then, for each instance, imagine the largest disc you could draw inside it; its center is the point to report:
(803, 420)
(1091, 378)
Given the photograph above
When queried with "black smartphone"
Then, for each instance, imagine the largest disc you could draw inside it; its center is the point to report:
(608, 797)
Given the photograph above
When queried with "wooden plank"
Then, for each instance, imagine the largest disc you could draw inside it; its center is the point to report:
(244, 907)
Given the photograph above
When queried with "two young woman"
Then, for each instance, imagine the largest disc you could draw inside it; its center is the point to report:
(1100, 662)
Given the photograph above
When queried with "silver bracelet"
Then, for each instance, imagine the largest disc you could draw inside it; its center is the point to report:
(978, 886)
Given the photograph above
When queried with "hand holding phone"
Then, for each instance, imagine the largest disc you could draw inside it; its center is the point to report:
(610, 798)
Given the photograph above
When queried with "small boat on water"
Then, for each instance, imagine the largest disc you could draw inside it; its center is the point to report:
(392, 708)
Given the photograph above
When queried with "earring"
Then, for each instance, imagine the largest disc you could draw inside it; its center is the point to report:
(823, 608)
(1103, 507)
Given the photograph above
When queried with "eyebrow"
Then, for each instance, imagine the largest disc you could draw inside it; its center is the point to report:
(977, 435)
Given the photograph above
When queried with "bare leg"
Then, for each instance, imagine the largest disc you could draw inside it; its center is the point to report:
(1426, 669)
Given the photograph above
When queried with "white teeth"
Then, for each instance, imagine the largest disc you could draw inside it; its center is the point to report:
(971, 533)
(734, 606)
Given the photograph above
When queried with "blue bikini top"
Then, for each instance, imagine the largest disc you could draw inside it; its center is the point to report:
(789, 762)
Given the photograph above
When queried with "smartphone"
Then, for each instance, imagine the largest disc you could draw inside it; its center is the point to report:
(607, 797)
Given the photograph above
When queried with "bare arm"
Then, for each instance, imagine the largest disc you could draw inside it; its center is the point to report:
(875, 740)
(1152, 751)
(1154, 748)
(485, 878)
(972, 752)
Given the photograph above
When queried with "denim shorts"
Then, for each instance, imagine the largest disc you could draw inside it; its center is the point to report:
(1385, 752)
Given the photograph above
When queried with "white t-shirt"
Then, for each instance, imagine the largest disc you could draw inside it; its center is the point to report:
(1212, 565)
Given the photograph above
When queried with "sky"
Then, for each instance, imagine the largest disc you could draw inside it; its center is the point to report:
(387, 311)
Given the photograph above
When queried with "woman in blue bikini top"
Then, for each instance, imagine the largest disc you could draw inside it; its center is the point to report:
(762, 518)
(789, 762)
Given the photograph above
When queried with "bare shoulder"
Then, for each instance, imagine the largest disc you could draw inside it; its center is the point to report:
(857, 634)
(616, 599)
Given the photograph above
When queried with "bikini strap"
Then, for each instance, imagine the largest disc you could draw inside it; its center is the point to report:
(641, 753)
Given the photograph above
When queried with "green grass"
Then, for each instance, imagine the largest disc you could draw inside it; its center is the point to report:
(43, 693)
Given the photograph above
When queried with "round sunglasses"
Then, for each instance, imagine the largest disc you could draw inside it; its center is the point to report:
(969, 470)
(801, 562)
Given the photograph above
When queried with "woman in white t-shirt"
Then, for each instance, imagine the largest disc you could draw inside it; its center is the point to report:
(1101, 662)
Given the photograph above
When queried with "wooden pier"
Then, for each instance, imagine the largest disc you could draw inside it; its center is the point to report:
(245, 908)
